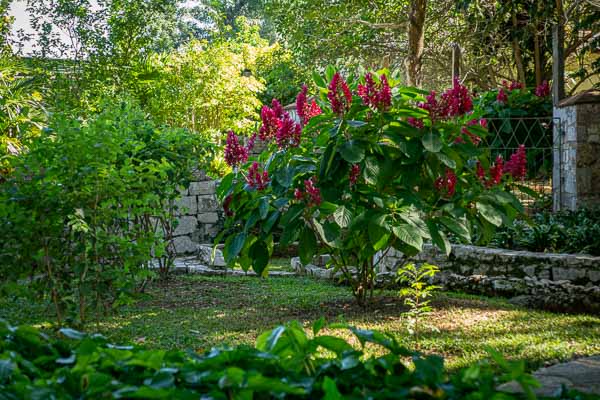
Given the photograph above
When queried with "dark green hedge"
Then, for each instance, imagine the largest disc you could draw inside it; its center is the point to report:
(286, 363)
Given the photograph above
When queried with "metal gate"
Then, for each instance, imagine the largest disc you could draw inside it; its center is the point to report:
(536, 133)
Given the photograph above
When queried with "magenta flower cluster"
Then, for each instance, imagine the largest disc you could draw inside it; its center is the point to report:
(235, 152)
(306, 110)
(353, 174)
(257, 178)
(446, 184)
(454, 102)
(279, 125)
(543, 90)
(377, 96)
(271, 117)
(311, 194)
(339, 95)
(517, 164)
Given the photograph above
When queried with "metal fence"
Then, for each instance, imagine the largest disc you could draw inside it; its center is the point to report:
(536, 133)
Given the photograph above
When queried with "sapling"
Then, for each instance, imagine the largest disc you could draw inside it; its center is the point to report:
(417, 295)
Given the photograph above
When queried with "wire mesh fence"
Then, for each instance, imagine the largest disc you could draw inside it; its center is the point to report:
(536, 134)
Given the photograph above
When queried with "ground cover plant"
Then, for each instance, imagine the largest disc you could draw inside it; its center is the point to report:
(199, 312)
(286, 363)
(370, 166)
(563, 232)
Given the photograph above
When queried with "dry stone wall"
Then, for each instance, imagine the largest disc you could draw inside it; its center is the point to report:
(200, 215)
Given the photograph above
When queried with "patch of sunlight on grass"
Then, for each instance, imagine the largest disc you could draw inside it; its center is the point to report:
(199, 312)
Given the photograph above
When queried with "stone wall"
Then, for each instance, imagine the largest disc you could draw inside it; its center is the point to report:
(200, 215)
(576, 175)
(562, 282)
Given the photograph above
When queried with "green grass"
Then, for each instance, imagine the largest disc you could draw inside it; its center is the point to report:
(199, 312)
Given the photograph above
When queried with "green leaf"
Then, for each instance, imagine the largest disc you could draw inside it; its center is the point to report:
(6, 370)
(457, 227)
(335, 344)
(319, 81)
(263, 207)
(356, 124)
(447, 161)
(342, 217)
(270, 222)
(352, 152)
(233, 246)
(490, 213)
(72, 333)
(307, 245)
(432, 142)
(439, 238)
(409, 235)
(330, 390)
(329, 72)
(318, 325)
(259, 252)
(379, 232)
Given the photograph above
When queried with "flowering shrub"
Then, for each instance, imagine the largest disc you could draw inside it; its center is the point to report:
(381, 166)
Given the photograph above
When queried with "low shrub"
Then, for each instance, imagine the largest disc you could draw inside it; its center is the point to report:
(563, 232)
(286, 363)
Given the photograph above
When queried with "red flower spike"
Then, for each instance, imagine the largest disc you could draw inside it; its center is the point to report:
(457, 101)
(353, 174)
(415, 122)
(289, 132)
(271, 120)
(339, 95)
(256, 178)
(543, 90)
(446, 183)
(517, 164)
(305, 110)
(502, 97)
(235, 153)
(377, 96)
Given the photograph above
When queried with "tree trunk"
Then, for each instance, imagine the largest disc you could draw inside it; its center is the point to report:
(416, 43)
(517, 50)
(558, 56)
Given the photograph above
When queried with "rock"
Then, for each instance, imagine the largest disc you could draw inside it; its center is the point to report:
(521, 301)
(208, 218)
(187, 205)
(205, 257)
(184, 245)
(582, 375)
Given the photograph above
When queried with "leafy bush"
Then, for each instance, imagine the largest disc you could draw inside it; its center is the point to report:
(286, 363)
(90, 204)
(563, 232)
(366, 169)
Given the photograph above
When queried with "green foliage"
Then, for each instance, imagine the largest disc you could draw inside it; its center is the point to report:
(286, 363)
(394, 203)
(520, 103)
(203, 86)
(417, 295)
(21, 111)
(90, 204)
(564, 232)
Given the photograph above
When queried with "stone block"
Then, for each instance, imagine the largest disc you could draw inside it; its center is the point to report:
(200, 188)
(186, 226)
(184, 245)
(208, 218)
(187, 205)
(207, 203)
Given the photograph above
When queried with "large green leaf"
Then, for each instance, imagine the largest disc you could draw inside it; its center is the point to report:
(342, 217)
(432, 142)
(379, 231)
(439, 238)
(490, 213)
(259, 252)
(233, 246)
(409, 235)
(457, 226)
(307, 246)
(352, 151)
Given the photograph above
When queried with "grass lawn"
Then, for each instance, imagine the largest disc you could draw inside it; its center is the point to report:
(199, 312)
